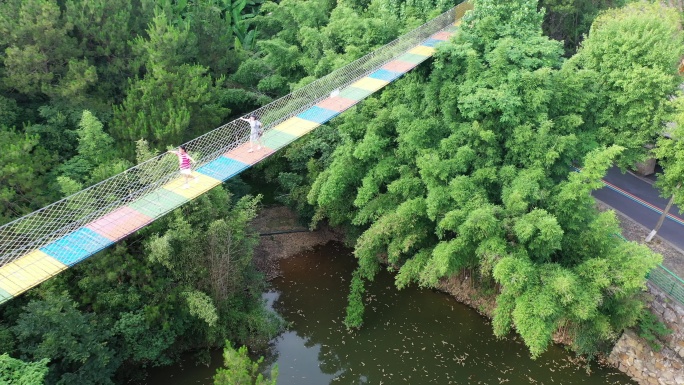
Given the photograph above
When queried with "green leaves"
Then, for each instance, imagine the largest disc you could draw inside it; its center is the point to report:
(523, 192)
(670, 152)
(569, 20)
(168, 46)
(633, 52)
(23, 164)
(142, 342)
(487, 184)
(168, 107)
(38, 45)
(55, 329)
(540, 233)
(355, 309)
(96, 160)
(14, 371)
(240, 370)
(201, 306)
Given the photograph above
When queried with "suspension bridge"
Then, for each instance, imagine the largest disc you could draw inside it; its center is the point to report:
(48, 241)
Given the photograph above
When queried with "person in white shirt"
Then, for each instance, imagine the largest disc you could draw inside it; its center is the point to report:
(256, 131)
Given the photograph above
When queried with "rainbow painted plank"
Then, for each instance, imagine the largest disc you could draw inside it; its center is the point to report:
(39, 265)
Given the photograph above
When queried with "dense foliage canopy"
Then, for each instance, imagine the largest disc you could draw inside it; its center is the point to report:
(470, 166)
(88, 88)
(464, 164)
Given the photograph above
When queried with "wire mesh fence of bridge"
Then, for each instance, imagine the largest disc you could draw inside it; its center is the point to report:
(61, 218)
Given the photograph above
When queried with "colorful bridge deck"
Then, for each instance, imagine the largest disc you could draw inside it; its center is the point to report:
(38, 265)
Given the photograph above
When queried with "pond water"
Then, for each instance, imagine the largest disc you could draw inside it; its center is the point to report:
(413, 336)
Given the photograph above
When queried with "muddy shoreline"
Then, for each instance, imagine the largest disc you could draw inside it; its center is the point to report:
(274, 247)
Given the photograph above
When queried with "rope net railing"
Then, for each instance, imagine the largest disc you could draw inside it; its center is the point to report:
(63, 217)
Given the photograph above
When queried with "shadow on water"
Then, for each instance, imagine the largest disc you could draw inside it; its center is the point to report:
(412, 336)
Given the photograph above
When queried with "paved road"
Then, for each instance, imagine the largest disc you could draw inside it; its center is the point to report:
(639, 200)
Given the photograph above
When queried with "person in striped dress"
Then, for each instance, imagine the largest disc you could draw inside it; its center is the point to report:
(185, 162)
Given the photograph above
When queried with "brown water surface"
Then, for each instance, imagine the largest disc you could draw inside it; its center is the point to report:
(413, 336)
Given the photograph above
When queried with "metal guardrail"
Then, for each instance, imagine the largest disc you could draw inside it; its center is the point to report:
(665, 280)
(668, 282)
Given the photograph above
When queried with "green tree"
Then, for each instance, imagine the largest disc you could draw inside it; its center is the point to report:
(215, 48)
(211, 261)
(569, 20)
(138, 302)
(103, 30)
(355, 309)
(41, 58)
(239, 369)
(309, 39)
(56, 129)
(37, 46)
(297, 166)
(96, 159)
(14, 371)
(22, 174)
(632, 55)
(55, 329)
(195, 287)
(167, 108)
(175, 100)
(9, 112)
(169, 44)
(469, 169)
(670, 152)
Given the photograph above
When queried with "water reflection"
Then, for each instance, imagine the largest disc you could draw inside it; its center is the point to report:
(411, 336)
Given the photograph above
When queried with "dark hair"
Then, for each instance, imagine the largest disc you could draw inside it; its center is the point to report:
(183, 148)
(253, 116)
